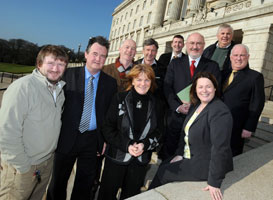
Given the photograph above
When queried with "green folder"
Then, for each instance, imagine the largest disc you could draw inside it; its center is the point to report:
(184, 95)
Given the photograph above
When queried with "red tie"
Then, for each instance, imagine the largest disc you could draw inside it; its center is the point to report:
(192, 68)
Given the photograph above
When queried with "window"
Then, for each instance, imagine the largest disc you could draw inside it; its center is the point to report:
(144, 5)
(121, 18)
(131, 12)
(126, 16)
(169, 8)
(140, 21)
(137, 8)
(137, 38)
(117, 22)
(123, 28)
(152, 1)
(119, 31)
(134, 25)
(149, 17)
(128, 27)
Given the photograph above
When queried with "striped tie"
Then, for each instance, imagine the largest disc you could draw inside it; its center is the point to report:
(87, 107)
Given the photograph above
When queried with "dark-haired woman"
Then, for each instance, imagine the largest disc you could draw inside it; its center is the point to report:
(204, 152)
(132, 129)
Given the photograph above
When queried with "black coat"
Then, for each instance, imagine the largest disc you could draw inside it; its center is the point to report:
(73, 106)
(208, 53)
(165, 59)
(119, 126)
(178, 77)
(245, 98)
(209, 140)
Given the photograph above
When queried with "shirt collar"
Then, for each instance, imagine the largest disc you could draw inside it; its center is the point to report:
(223, 47)
(178, 56)
(154, 62)
(88, 74)
(196, 60)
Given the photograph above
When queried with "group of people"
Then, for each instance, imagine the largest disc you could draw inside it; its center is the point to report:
(56, 117)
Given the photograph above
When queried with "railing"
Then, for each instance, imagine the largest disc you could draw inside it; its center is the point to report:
(11, 76)
(271, 91)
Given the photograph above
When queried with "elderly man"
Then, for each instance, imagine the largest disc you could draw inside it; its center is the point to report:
(180, 74)
(123, 64)
(243, 93)
(220, 50)
(177, 46)
(30, 126)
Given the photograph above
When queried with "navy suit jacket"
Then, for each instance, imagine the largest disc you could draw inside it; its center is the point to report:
(73, 106)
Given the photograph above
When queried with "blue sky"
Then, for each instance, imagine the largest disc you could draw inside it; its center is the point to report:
(59, 22)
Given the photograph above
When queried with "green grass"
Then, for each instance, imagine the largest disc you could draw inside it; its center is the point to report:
(15, 69)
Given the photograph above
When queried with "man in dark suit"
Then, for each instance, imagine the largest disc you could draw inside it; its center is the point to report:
(220, 50)
(243, 93)
(177, 46)
(180, 74)
(88, 94)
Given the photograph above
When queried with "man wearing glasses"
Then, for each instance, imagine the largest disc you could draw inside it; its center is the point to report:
(30, 126)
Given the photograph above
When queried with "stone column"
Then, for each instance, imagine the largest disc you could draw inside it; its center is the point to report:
(175, 10)
(159, 13)
(194, 7)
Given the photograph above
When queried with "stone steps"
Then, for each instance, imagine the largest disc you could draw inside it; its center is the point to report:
(251, 179)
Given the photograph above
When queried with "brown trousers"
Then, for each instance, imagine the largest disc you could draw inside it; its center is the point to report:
(16, 186)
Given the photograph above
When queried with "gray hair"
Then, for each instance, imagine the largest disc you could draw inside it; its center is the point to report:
(224, 26)
(150, 42)
(241, 45)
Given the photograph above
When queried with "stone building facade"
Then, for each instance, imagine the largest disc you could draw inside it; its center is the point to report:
(252, 21)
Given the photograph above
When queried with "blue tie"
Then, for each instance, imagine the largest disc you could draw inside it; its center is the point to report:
(87, 107)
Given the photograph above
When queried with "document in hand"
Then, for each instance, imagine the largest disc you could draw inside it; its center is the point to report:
(184, 95)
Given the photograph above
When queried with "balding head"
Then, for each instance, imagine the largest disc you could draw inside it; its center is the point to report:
(127, 51)
(195, 45)
(239, 57)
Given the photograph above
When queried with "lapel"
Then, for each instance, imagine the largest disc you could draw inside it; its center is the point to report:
(81, 84)
(203, 112)
(185, 62)
(100, 90)
(200, 67)
(237, 79)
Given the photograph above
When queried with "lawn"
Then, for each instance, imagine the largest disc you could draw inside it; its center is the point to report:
(15, 69)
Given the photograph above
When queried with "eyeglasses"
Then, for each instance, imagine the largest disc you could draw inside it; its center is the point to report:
(51, 64)
(195, 43)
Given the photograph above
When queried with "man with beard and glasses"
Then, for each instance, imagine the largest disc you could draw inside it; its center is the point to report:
(30, 126)
(180, 74)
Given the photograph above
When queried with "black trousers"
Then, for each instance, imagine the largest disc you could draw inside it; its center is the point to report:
(85, 152)
(172, 172)
(172, 136)
(129, 178)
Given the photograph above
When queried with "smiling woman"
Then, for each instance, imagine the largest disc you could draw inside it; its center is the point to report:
(132, 129)
(204, 151)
